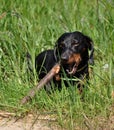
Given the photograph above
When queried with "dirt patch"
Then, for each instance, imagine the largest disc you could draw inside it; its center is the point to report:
(29, 122)
(49, 122)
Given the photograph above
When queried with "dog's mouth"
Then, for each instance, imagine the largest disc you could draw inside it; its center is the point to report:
(72, 68)
(71, 65)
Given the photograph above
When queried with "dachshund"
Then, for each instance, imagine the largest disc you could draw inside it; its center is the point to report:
(72, 51)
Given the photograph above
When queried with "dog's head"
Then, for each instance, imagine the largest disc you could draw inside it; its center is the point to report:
(71, 49)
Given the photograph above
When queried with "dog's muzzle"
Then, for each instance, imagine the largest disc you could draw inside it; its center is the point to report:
(72, 63)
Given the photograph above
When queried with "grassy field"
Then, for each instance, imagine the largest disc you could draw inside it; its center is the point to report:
(33, 26)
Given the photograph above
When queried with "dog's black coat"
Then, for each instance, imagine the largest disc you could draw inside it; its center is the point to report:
(72, 51)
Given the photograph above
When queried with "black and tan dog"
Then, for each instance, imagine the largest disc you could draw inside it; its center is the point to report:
(72, 51)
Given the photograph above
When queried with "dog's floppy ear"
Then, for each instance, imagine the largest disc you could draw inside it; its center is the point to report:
(90, 45)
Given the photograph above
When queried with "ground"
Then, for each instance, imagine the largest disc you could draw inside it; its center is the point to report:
(39, 122)
(29, 122)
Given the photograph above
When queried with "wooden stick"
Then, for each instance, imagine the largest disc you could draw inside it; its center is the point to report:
(55, 70)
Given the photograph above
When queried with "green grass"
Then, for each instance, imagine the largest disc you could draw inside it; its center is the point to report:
(33, 26)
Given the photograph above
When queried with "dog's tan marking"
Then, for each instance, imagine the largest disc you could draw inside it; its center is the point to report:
(74, 58)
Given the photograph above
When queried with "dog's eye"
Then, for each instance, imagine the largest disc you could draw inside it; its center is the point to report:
(75, 44)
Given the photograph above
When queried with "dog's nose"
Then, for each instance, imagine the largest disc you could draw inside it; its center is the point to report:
(64, 58)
